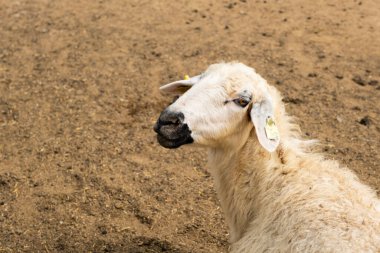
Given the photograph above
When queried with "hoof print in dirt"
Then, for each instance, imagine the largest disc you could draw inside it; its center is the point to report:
(102, 230)
(359, 80)
(7, 113)
(373, 82)
(366, 121)
(290, 100)
(144, 244)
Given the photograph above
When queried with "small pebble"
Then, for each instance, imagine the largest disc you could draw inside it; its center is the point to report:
(119, 205)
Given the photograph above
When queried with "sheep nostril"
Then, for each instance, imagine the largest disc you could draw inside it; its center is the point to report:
(171, 118)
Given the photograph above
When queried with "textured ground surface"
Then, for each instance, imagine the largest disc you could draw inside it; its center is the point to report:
(80, 169)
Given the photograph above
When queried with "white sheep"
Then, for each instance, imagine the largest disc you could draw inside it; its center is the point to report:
(277, 196)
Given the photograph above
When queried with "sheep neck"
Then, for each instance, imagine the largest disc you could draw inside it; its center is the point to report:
(240, 176)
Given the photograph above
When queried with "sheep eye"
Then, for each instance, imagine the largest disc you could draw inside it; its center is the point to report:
(242, 101)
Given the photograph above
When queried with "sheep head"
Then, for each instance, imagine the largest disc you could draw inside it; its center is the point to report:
(219, 108)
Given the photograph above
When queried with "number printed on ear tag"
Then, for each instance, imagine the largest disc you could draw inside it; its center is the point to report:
(271, 129)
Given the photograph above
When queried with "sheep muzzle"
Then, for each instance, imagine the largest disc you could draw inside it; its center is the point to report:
(171, 130)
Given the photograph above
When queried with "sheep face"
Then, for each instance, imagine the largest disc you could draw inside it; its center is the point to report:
(218, 108)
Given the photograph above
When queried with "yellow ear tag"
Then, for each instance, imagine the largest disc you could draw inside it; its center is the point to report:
(186, 77)
(271, 129)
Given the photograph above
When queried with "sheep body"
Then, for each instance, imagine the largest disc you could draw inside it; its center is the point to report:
(289, 200)
(306, 205)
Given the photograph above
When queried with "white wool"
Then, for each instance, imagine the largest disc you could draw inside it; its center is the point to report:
(289, 200)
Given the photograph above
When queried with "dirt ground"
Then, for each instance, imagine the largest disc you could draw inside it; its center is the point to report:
(80, 168)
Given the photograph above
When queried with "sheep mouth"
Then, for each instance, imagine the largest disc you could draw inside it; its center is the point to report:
(173, 135)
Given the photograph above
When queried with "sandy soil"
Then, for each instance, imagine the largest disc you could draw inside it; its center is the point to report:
(80, 168)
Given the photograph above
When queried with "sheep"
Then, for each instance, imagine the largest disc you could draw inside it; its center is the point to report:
(277, 195)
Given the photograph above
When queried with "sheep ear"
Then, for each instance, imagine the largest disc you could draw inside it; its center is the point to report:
(265, 125)
(179, 87)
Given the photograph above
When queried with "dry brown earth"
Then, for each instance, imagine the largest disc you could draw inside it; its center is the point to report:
(80, 169)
